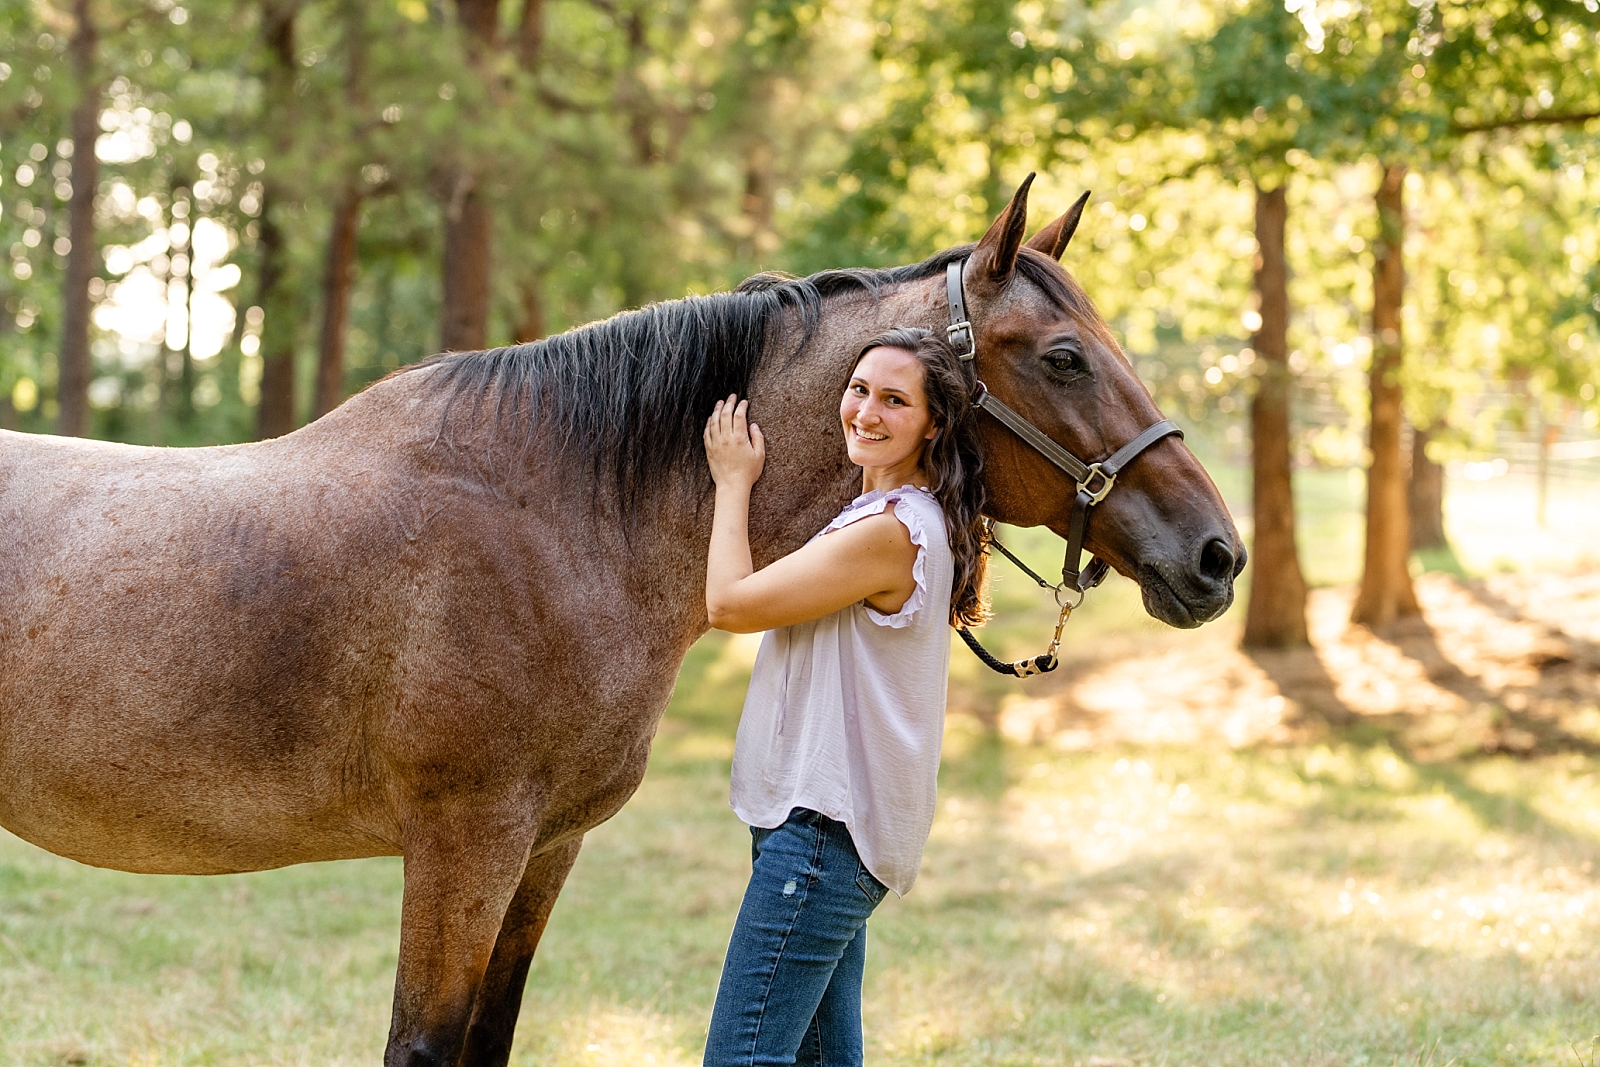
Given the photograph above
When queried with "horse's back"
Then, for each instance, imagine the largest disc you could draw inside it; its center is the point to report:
(176, 628)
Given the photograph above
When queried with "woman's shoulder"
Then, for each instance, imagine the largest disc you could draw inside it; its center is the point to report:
(915, 506)
(922, 514)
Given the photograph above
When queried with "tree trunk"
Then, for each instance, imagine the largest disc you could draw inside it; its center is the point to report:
(1386, 590)
(337, 280)
(276, 414)
(72, 388)
(530, 35)
(759, 240)
(1426, 495)
(1549, 434)
(467, 230)
(530, 320)
(158, 373)
(1276, 617)
(530, 324)
(468, 220)
(8, 410)
(339, 270)
(641, 116)
(185, 393)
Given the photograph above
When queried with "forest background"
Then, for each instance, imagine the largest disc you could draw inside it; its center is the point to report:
(1353, 247)
(1343, 220)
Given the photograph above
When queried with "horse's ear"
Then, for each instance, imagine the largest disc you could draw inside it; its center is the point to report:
(1052, 240)
(996, 254)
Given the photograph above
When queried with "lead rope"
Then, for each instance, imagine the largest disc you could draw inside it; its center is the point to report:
(1025, 668)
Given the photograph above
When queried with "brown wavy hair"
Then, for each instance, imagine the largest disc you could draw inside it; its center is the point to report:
(951, 459)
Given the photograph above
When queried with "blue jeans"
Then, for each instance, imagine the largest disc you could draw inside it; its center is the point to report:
(791, 985)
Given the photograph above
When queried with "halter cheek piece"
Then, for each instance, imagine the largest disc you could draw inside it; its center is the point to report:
(1094, 482)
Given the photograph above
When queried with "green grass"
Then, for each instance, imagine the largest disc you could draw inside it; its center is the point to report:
(1303, 905)
(1330, 905)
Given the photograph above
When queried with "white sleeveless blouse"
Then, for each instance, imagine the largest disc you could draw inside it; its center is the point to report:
(845, 714)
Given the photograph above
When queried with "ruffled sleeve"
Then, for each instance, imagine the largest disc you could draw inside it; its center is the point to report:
(913, 513)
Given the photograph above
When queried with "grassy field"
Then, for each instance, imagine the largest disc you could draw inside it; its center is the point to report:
(1328, 903)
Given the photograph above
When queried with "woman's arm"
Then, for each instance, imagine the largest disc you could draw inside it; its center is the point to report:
(868, 560)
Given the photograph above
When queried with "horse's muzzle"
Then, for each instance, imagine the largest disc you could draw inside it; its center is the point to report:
(1193, 592)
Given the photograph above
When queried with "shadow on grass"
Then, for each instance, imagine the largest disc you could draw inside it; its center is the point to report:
(1524, 731)
(1491, 809)
(1499, 810)
(1301, 677)
(1584, 653)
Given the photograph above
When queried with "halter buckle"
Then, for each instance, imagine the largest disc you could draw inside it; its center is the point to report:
(1099, 492)
(960, 334)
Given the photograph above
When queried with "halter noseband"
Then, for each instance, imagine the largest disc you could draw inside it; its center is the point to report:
(1094, 481)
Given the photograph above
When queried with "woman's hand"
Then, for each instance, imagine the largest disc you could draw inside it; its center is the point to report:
(735, 449)
(868, 560)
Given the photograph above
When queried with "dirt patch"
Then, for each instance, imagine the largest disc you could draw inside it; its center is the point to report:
(1509, 663)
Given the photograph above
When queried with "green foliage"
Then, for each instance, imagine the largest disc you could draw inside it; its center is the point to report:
(641, 151)
(1162, 107)
(634, 154)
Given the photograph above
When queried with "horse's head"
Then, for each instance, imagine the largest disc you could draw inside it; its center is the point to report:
(1045, 351)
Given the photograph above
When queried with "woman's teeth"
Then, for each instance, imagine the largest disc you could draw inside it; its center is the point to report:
(869, 436)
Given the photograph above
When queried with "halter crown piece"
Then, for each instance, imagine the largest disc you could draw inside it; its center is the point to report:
(1094, 482)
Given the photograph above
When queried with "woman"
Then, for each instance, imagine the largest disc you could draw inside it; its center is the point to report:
(837, 754)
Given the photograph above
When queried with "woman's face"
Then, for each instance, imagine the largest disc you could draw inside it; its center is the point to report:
(885, 409)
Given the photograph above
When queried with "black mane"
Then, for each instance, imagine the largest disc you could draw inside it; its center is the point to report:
(631, 393)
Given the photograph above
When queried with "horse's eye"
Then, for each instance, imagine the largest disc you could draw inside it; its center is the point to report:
(1065, 361)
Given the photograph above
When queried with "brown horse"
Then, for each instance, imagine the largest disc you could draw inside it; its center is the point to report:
(443, 621)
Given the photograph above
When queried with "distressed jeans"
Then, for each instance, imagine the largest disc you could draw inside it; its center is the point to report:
(791, 985)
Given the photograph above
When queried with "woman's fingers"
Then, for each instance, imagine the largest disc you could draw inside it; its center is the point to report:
(729, 420)
(730, 432)
(735, 447)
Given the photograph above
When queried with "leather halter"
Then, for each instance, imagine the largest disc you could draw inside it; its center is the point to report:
(1094, 480)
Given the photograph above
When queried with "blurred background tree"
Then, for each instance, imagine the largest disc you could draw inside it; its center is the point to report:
(1341, 219)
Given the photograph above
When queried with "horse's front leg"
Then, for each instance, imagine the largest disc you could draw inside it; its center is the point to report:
(494, 1020)
(462, 870)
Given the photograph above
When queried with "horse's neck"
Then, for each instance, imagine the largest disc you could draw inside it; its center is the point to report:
(658, 564)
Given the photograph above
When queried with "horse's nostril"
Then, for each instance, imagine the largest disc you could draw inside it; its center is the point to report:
(1216, 560)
